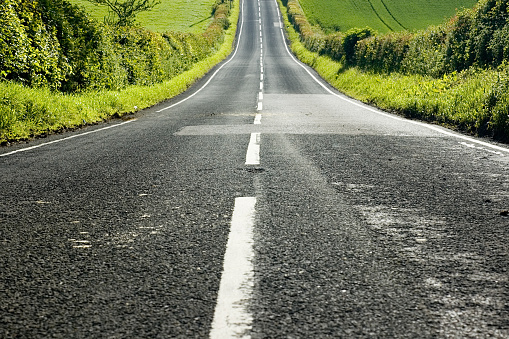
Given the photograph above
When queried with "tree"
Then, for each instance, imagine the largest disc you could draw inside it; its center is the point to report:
(123, 12)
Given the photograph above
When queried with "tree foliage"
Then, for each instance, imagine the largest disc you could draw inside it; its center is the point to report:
(52, 43)
(123, 12)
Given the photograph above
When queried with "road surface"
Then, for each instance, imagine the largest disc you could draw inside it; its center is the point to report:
(262, 204)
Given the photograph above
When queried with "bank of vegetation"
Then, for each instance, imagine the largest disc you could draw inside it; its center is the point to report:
(456, 73)
(61, 69)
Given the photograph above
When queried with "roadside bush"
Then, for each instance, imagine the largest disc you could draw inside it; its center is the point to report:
(350, 40)
(29, 50)
(383, 53)
(426, 53)
(298, 19)
(458, 55)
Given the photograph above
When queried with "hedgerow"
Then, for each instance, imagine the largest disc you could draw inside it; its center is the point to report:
(52, 43)
(474, 37)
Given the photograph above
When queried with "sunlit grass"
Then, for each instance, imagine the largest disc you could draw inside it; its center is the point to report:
(170, 15)
(381, 15)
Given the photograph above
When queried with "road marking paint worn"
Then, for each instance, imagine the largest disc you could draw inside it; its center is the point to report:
(260, 106)
(480, 148)
(253, 150)
(258, 118)
(359, 104)
(232, 318)
(65, 139)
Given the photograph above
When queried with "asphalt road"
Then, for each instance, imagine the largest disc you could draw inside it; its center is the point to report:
(264, 205)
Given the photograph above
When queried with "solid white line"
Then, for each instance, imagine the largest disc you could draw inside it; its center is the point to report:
(258, 117)
(232, 318)
(64, 139)
(431, 127)
(213, 75)
(253, 150)
(261, 76)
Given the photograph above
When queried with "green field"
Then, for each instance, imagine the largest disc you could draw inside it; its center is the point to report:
(191, 16)
(381, 15)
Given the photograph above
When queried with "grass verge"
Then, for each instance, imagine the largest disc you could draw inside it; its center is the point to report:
(474, 101)
(27, 112)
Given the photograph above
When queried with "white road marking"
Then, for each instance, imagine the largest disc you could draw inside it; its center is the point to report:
(232, 318)
(258, 117)
(359, 104)
(260, 106)
(64, 139)
(260, 96)
(261, 85)
(214, 74)
(480, 148)
(253, 150)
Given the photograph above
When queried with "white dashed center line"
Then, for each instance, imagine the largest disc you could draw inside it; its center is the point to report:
(232, 318)
(253, 150)
(258, 117)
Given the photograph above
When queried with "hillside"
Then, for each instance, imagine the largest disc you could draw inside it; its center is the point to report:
(381, 15)
(171, 15)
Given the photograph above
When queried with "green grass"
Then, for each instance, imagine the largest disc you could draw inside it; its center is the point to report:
(26, 112)
(192, 16)
(381, 15)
